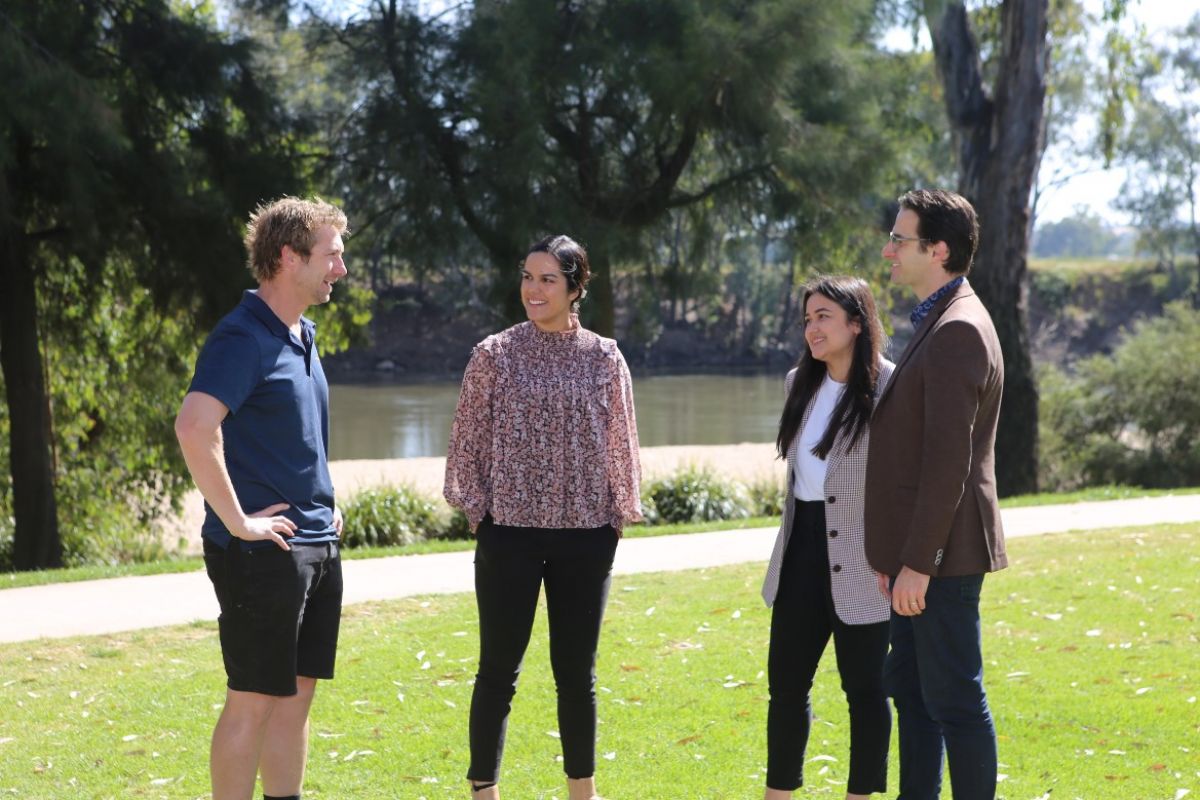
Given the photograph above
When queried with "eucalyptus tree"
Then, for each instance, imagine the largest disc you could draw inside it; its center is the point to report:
(1162, 148)
(996, 110)
(134, 140)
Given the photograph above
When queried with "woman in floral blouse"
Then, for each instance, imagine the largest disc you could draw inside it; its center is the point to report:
(543, 461)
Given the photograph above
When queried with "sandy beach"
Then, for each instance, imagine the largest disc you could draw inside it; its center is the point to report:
(743, 462)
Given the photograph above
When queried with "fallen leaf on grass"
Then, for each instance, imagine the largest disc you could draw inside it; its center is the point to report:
(689, 739)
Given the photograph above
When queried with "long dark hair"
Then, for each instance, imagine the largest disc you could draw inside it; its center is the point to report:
(853, 409)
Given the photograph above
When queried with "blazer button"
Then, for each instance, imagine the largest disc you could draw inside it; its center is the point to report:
(831, 499)
(833, 534)
(837, 567)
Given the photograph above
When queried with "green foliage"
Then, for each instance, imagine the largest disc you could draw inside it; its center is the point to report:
(456, 527)
(1132, 417)
(694, 494)
(342, 322)
(136, 139)
(389, 515)
(118, 367)
(766, 496)
(481, 126)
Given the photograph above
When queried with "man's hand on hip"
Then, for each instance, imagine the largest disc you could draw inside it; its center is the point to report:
(908, 593)
(266, 525)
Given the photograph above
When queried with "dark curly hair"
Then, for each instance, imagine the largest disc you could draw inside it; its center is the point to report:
(572, 260)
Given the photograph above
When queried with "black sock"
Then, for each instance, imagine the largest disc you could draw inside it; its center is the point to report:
(288, 797)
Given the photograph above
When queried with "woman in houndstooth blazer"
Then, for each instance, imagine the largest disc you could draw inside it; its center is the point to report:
(818, 582)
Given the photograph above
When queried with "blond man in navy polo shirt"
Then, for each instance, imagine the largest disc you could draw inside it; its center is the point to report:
(254, 430)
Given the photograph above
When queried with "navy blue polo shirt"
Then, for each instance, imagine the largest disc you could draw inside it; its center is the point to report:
(276, 434)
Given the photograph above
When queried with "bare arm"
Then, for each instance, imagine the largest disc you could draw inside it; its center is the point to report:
(198, 428)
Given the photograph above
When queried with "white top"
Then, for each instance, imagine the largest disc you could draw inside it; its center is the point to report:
(810, 470)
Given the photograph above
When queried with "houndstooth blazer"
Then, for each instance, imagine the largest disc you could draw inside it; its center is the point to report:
(856, 596)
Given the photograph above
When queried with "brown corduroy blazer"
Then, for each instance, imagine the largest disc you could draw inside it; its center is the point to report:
(931, 470)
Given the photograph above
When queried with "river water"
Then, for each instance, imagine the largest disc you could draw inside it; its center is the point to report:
(407, 421)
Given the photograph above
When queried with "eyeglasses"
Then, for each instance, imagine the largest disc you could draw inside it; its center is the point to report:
(897, 239)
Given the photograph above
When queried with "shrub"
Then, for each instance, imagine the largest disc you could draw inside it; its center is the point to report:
(387, 516)
(6, 542)
(455, 526)
(694, 494)
(766, 495)
(1131, 418)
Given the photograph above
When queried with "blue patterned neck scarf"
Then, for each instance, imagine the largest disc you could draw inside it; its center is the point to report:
(919, 313)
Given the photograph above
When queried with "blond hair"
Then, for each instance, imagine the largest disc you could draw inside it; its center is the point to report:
(287, 221)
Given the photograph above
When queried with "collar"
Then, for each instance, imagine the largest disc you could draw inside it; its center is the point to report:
(918, 314)
(263, 313)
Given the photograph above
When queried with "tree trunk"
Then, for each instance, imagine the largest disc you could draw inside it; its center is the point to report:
(36, 542)
(999, 138)
(600, 297)
(785, 316)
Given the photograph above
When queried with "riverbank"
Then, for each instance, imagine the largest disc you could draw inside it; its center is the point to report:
(742, 462)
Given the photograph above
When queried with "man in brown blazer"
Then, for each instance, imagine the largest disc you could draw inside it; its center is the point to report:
(932, 524)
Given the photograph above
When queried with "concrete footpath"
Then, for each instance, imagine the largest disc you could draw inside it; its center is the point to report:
(122, 604)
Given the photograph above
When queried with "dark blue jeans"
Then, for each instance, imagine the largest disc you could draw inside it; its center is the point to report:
(934, 674)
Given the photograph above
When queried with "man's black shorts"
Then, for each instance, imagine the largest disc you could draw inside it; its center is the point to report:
(280, 612)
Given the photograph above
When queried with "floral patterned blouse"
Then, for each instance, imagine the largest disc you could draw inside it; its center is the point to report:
(544, 435)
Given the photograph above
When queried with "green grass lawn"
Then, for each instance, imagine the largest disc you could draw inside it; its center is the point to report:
(13, 580)
(1091, 645)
